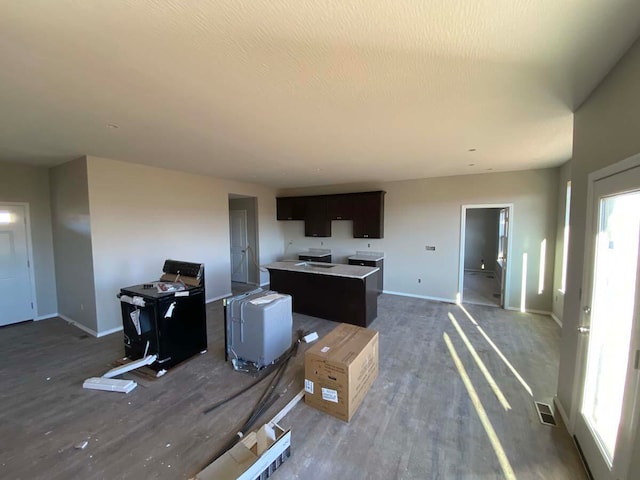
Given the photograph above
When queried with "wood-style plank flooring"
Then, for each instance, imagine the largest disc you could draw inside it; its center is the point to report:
(481, 288)
(417, 422)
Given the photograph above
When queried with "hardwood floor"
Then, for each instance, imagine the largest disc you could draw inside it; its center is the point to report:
(481, 288)
(238, 288)
(418, 420)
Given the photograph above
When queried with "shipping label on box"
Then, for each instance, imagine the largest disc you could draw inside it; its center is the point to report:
(340, 369)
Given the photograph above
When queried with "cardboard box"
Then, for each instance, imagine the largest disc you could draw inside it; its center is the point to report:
(340, 369)
(257, 454)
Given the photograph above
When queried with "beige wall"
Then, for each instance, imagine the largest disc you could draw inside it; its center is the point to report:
(481, 238)
(558, 294)
(30, 184)
(142, 215)
(72, 243)
(605, 132)
(428, 212)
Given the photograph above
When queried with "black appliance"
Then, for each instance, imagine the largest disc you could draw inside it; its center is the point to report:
(166, 317)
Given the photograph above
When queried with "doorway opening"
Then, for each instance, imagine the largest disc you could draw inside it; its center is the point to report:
(484, 246)
(243, 240)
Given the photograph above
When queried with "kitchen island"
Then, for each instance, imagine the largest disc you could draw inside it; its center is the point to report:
(342, 293)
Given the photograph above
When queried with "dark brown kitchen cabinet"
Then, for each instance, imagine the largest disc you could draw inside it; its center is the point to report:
(316, 220)
(340, 206)
(310, 257)
(368, 215)
(291, 208)
(372, 263)
(336, 298)
(365, 209)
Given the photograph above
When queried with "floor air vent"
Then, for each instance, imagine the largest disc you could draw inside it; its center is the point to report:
(545, 414)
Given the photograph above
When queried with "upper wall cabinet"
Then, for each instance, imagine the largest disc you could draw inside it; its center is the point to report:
(368, 215)
(316, 220)
(340, 206)
(291, 208)
(365, 209)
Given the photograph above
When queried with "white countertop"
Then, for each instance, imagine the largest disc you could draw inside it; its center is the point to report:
(371, 256)
(331, 269)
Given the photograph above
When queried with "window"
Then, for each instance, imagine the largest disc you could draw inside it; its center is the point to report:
(502, 236)
(5, 217)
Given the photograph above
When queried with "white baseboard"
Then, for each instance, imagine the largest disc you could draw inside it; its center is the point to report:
(220, 297)
(537, 312)
(46, 317)
(425, 297)
(450, 300)
(89, 330)
(560, 409)
(78, 325)
(264, 284)
(556, 319)
(109, 332)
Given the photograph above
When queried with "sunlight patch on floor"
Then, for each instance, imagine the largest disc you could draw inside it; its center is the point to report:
(497, 350)
(483, 368)
(482, 414)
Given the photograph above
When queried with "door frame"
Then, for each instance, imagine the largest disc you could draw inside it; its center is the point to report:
(583, 340)
(32, 282)
(507, 266)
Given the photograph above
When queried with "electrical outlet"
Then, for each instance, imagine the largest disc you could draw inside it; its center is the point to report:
(368, 245)
(82, 307)
(430, 248)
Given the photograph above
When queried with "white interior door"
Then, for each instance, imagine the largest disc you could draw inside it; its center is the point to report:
(605, 423)
(15, 281)
(239, 253)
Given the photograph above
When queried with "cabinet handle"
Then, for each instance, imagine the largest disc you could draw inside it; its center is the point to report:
(365, 236)
(362, 264)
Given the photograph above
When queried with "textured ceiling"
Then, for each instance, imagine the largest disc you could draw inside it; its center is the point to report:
(300, 92)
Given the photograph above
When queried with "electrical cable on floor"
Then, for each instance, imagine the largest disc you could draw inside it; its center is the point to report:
(285, 356)
(267, 399)
(268, 393)
(271, 369)
(288, 353)
(261, 406)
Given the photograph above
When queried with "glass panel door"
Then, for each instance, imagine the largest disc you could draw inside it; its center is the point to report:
(609, 313)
